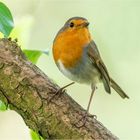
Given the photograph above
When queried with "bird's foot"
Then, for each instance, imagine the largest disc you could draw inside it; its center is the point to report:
(59, 92)
(82, 121)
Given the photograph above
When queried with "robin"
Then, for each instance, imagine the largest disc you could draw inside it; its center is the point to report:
(78, 58)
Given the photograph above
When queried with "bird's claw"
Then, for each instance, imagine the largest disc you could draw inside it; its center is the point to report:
(82, 121)
(59, 92)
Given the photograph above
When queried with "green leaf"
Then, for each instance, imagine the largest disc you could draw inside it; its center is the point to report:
(3, 107)
(35, 136)
(6, 20)
(33, 55)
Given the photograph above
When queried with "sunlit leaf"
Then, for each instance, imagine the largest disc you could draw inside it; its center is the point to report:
(6, 20)
(35, 136)
(33, 55)
(3, 107)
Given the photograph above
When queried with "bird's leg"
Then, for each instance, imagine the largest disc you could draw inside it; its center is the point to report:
(84, 117)
(60, 91)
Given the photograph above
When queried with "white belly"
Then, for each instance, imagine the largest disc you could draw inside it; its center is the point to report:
(85, 72)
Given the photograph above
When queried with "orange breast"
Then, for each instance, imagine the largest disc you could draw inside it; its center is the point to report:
(69, 45)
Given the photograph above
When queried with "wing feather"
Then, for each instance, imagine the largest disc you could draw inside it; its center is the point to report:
(94, 55)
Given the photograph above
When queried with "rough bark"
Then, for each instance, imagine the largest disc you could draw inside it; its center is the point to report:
(26, 89)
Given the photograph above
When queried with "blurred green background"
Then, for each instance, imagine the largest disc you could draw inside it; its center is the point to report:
(115, 27)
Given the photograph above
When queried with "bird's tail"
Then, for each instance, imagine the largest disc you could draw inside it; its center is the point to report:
(117, 88)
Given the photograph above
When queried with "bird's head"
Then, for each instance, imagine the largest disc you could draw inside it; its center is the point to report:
(76, 23)
(76, 28)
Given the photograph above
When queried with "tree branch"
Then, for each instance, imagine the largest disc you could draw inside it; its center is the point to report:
(26, 89)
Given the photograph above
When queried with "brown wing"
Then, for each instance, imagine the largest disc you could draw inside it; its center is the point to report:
(94, 55)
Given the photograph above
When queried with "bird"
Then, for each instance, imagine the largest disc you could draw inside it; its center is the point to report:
(77, 57)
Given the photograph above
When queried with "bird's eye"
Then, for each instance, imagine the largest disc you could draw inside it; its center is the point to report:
(71, 24)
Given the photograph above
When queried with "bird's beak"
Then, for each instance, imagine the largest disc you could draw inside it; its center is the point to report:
(82, 25)
(85, 24)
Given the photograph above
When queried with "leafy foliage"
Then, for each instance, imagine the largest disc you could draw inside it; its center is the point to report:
(3, 107)
(6, 20)
(35, 136)
(33, 55)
